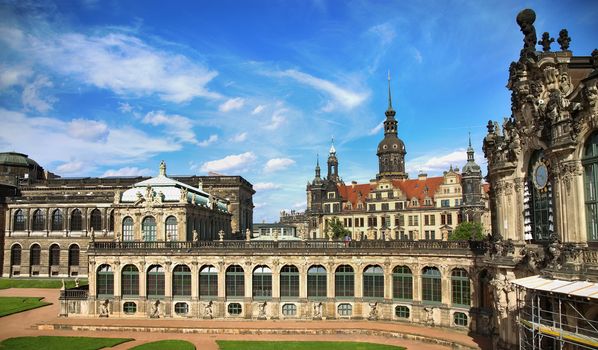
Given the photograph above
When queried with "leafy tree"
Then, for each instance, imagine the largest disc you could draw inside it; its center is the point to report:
(467, 230)
(337, 229)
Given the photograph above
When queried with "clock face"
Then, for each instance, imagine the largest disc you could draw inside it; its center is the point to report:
(540, 176)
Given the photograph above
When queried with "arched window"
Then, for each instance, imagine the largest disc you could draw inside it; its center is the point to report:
(19, 221)
(289, 281)
(130, 281)
(155, 281)
(57, 221)
(402, 283)
(208, 282)
(96, 220)
(538, 199)
(344, 281)
(235, 282)
(15, 255)
(181, 281)
(35, 253)
(148, 227)
(172, 233)
(431, 285)
(262, 282)
(373, 282)
(460, 287)
(105, 281)
(54, 255)
(39, 221)
(76, 220)
(590, 181)
(73, 255)
(128, 234)
(316, 282)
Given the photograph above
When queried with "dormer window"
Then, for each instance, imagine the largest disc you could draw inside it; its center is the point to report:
(414, 202)
(331, 195)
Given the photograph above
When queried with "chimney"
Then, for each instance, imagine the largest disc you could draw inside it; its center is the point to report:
(422, 176)
(353, 183)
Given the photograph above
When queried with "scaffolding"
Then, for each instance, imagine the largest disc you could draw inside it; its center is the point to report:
(552, 314)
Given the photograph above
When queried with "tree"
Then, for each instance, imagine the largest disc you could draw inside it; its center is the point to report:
(337, 229)
(467, 230)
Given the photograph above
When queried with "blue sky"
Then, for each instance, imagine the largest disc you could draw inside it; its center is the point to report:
(258, 88)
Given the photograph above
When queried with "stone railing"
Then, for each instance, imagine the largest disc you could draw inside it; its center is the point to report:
(399, 246)
(73, 294)
(590, 256)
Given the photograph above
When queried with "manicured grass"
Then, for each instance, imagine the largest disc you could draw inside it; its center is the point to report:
(12, 305)
(166, 344)
(60, 343)
(302, 345)
(6, 283)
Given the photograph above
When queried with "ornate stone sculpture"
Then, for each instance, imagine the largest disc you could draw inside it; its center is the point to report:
(546, 41)
(554, 252)
(526, 19)
(207, 311)
(373, 316)
(155, 311)
(184, 194)
(247, 234)
(262, 310)
(104, 308)
(429, 320)
(221, 235)
(317, 310)
(564, 40)
(195, 236)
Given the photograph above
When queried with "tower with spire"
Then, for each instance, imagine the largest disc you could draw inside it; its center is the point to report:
(472, 206)
(391, 150)
(332, 174)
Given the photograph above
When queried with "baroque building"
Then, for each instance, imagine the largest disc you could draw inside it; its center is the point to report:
(394, 207)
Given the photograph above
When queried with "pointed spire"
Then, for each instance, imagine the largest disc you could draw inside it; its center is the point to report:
(318, 166)
(332, 149)
(389, 96)
(469, 139)
(470, 150)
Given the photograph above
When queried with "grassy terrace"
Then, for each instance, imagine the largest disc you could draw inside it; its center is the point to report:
(166, 344)
(12, 305)
(6, 283)
(60, 343)
(302, 345)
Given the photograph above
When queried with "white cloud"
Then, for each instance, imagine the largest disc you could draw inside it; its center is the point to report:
(124, 107)
(70, 167)
(119, 62)
(276, 164)
(127, 171)
(232, 104)
(46, 141)
(341, 96)
(385, 31)
(265, 186)
(234, 162)
(87, 129)
(417, 55)
(10, 76)
(181, 128)
(376, 129)
(302, 205)
(239, 137)
(278, 118)
(258, 109)
(210, 140)
(437, 163)
(259, 205)
(31, 95)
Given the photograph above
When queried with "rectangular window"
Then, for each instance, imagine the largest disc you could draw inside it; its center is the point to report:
(385, 206)
(208, 284)
(410, 220)
(331, 195)
(426, 220)
(432, 220)
(445, 203)
(399, 206)
(372, 207)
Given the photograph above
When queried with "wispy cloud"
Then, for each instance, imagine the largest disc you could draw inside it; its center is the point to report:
(240, 137)
(417, 55)
(179, 127)
(125, 107)
(11, 76)
(86, 129)
(234, 162)
(265, 186)
(258, 109)
(69, 168)
(385, 32)
(32, 98)
(128, 171)
(437, 163)
(210, 140)
(276, 164)
(277, 120)
(232, 104)
(376, 129)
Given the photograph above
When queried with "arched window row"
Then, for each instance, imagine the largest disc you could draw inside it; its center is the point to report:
(57, 220)
(149, 229)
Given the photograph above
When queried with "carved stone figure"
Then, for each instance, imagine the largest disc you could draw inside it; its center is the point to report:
(77, 282)
(429, 317)
(526, 19)
(554, 251)
(221, 235)
(500, 293)
(155, 310)
(317, 310)
(195, 236)
(564, 40)
(262, 310)
(373, 316)
(248, 235)
(184, 194)
(104, 308)
(207, 311)
(546, 41)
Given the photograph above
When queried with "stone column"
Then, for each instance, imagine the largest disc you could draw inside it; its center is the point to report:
(275, 282)
(388, 282)
(248, 270)
(221, 281)
(117, 268)
(9, 216)
(359, 281)
(48, 221)
(303, 281)
(417, 284)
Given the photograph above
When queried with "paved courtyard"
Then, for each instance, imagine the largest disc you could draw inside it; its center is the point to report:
(144, 330)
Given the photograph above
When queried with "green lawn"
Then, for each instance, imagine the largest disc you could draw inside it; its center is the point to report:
(60, 343)
(12, 305)
(6, 283)
(302, 345)
(166, 345)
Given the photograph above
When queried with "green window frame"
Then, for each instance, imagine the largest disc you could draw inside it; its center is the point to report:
(289, 310)
(373, 282)
(590, 180)
(148, 227)
(234, 309)
(431, 285)
(155, 281)
(105, 281)
(345, 309)
(129, 308)
(461, 289)
(316, 282)
(181, 308)
(262, 282)
(289, 282)
(460, 319)
(172, 232)
(181, 281)
(235, 282)
(128, 233)
(402, 283)
(130, 281)
(208, 282)
(19, 221)
(402, 311)
(344, 282)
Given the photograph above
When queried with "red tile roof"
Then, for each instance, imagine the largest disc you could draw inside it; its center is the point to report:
(351, 192)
